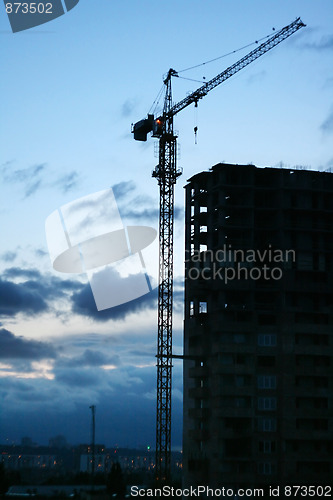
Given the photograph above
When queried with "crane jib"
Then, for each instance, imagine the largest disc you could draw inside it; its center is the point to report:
(249, 58)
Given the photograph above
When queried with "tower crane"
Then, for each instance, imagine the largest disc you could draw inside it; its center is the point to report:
(166, 173)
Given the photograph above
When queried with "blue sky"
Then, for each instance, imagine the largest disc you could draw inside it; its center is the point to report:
(70, 90)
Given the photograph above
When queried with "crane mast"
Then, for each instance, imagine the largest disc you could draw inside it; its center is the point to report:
(166, 173)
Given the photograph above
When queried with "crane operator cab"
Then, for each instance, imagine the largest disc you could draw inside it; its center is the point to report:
(142, 128)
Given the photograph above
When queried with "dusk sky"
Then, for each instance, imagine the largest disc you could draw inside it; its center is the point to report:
(70, 90)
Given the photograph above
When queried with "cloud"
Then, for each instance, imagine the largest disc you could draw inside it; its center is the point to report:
(15, 298)
(83, 303)
(259, 76)
(30, 292)
(325, 43)
(30, 178)
(12, 347)
(327, 125)
(125, 397)
(17, 272)
(68, 181)
(96, 210)
(128, 107)
(32, 188)
(33, 178)
(146, 214)
(33, 294)
(123, 188)
(328, 166)
(39, 252)
(141, 207)
(328, 83)
(150, 214)
(90, 358)
(9, 256)
(78, 377)
(27, 173)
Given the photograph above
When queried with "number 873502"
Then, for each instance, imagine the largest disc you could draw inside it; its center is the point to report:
(28, 8)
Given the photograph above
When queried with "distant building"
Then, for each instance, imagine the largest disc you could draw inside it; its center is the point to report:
(27, 442)
(58, 442)
(42, 458)
(129, 460)
(19, 461)
(258, 388)
(58, 491)
(45, 461)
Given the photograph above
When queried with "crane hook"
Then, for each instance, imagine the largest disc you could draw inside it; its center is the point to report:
(195, 134)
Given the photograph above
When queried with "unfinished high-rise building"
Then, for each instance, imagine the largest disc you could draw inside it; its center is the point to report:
(258, 341)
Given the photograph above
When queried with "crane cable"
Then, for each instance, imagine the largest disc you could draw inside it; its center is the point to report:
(203, 81)
(156, 100)
(225, 55)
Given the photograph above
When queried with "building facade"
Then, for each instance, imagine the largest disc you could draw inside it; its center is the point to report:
(258, 335)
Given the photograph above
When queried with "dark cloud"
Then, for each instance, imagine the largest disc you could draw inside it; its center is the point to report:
(90, 358)
(327, 125)
(16, 298)
(33, 396)
(122, 419)
(12, 347)
(125, 400)
(83, 303)
(75, 377)
(144, 352)
(34, 295)
(18, 385)
(17, 272)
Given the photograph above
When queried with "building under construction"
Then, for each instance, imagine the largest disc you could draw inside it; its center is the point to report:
(258, 341)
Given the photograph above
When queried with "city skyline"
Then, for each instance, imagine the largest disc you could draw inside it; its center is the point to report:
(71, 89)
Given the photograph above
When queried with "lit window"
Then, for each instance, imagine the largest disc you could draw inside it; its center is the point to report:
(202, 307)
(191, 308)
